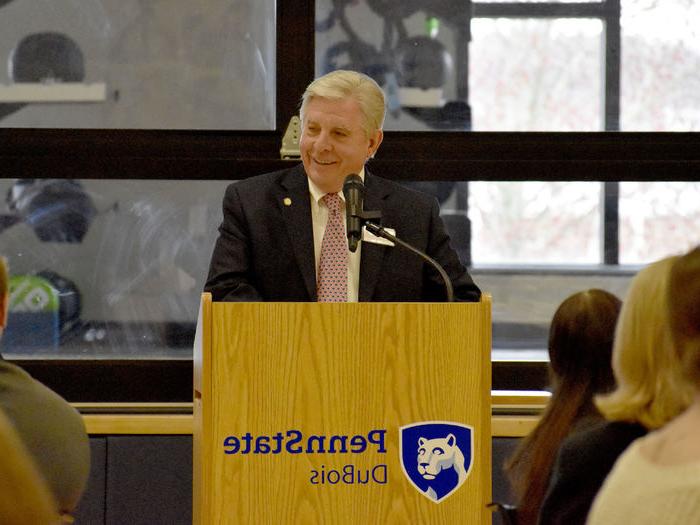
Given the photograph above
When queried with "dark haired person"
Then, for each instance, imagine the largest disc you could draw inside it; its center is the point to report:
(580, 348)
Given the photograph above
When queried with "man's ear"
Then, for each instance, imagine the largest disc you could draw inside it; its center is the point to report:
(374, 141)
(4, 306)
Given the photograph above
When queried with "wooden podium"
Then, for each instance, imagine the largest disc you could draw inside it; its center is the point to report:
(298, 409)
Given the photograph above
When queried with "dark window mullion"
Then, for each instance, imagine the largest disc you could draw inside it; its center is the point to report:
(462, 205)
(611, 223)
(611, 82)
(295, 56)
(539, 10)
(612, 42)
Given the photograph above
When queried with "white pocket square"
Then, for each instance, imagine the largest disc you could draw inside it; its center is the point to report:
(370, 237)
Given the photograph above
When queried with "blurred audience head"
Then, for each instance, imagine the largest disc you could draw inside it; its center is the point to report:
(580, 347)
(24, 496)
(684, 308)
(48, 428)
(645, 364)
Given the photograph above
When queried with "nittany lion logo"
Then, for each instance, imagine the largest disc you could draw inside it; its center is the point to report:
(436, 456)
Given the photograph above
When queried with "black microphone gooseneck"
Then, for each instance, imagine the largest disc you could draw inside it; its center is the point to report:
(381, 232)
(354, 192)
(356, 217)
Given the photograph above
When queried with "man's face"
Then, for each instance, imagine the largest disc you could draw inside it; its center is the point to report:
(333, 143)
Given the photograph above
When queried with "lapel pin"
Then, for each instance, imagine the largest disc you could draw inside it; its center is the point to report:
(287, 201)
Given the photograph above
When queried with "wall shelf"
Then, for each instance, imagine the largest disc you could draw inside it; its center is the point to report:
(32, 93)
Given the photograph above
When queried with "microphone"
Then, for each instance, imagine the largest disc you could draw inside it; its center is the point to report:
(356, 217)
(381, 232)
(354, 192)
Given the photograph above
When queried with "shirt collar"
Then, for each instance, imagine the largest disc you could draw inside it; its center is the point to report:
(317, 194)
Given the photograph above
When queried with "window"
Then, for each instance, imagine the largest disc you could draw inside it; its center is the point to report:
(660, 60)
(476, 66)
(127, 261)
(658, 219)
(531, 66)
(190, 166)
(171, 64)
(535, 222)
(536, 75)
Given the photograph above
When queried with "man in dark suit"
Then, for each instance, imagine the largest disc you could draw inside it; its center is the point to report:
(273, 237)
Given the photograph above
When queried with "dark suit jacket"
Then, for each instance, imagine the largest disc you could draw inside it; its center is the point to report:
(584, 461)
(265, 249)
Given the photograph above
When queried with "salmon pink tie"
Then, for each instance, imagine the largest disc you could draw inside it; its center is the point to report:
(332, 282)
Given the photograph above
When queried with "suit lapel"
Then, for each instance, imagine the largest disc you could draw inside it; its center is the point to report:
(372, 254)
(295, 206)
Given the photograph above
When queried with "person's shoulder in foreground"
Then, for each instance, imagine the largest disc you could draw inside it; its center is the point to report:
(52, 431)
(24, 496)
(642, 491)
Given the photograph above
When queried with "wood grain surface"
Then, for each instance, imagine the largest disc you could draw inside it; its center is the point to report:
(338, 369)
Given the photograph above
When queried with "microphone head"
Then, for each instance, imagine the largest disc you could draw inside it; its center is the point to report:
(353, 181)
(354, 192)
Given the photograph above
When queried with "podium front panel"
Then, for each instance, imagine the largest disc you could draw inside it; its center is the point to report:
(301, 408)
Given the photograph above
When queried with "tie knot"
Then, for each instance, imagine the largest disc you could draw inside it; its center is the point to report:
(332, 201)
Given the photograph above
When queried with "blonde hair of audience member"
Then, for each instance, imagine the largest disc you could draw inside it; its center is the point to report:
(645, 364)
(677, 442)
(656, 479)
(684, 307)
(341, 84)
(580, 347)
(24, 496)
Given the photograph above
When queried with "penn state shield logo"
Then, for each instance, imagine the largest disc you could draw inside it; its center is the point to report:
(436, 456)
